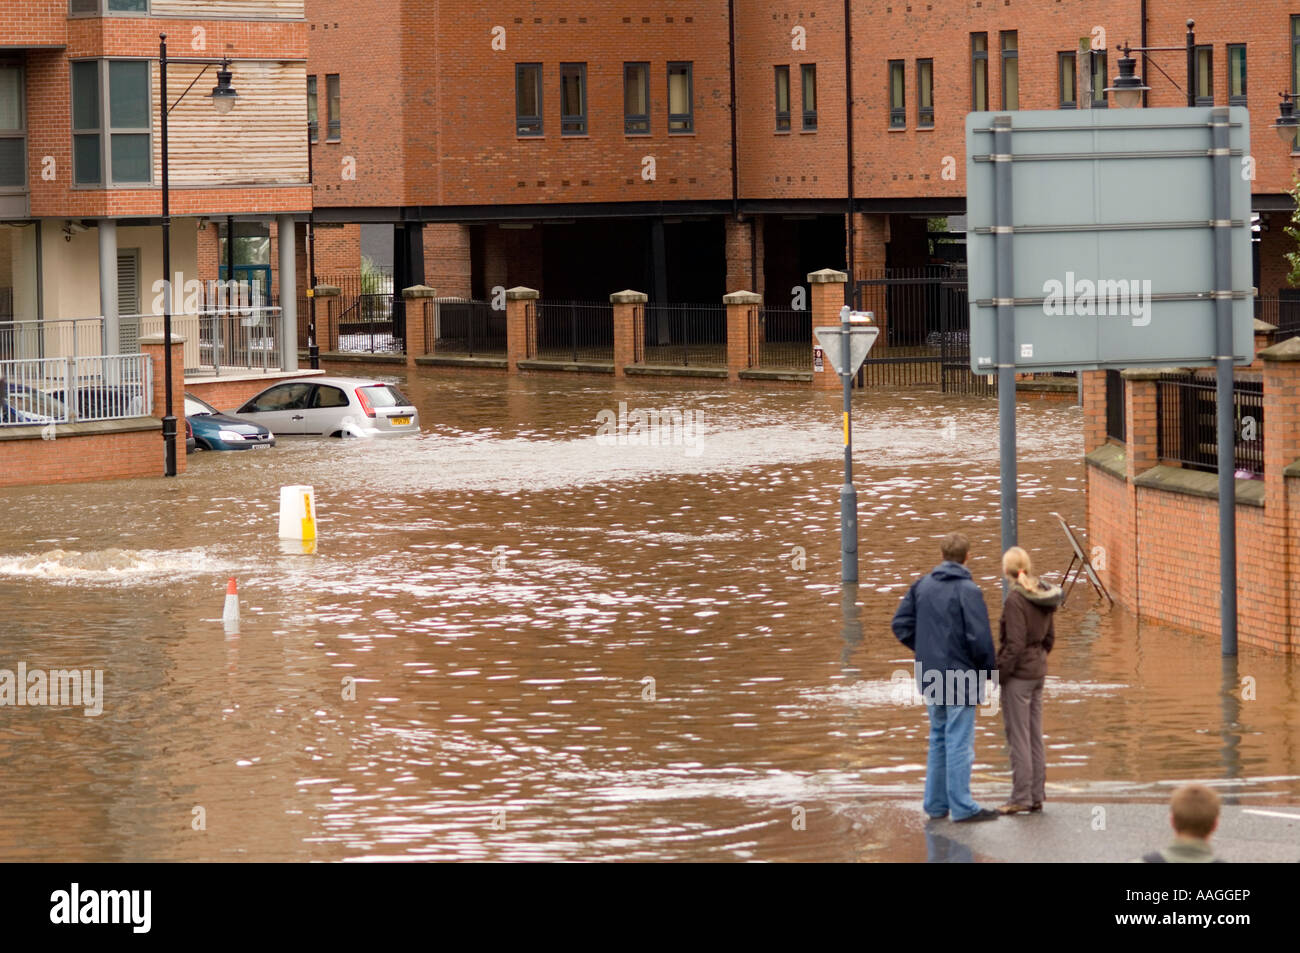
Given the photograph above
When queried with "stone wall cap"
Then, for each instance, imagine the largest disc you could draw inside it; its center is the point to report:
(1288, 350)
(629, 297)
(522, 294)
(160, 340)
(827, 276)
(1149, 373)
(419, 291)
(742, 297)
(1293, 470)
(1263, 327)
(326, 291)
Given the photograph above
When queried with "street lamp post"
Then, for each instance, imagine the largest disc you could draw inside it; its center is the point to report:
(223, 100)
(1128, 89)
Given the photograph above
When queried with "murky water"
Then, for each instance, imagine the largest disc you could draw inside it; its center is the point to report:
(500, 591)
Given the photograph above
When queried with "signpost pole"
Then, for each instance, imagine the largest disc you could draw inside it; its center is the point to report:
(1226, 424)
(848, 495)
(1004, 297)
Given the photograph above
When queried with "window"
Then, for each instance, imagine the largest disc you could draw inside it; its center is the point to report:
(808, 73)
(528, 99)
(925, 94)
(573, 99)
(332, 107)
(1205, 76)
(13, 141)
(1099, 80)
(636, 99)
(681, 98)
(783, 99)
(1010, 70)
(1236, 74)
(327, 396)
(1067, 81)
(111, 133)
(1295, 54)
(98, 7)
(897, 98)
(313, 122)
(979, 72)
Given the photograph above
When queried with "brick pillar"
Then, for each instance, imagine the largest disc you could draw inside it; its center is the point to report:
(152, 345)
(1141, 453)
(827, 297)
(1263, 340)
(521, 326)
(742, 331)
(629, 331)
(419, 302)
(744, 248)
(447, 258)
(1282, 511)
(870, 240)
(327, 316)
(1094, 409)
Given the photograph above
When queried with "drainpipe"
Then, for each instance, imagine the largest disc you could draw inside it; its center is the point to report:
(851, 287)
(1145, 44)
(735, 175)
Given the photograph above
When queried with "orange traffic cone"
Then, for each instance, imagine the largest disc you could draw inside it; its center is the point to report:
(230, 615)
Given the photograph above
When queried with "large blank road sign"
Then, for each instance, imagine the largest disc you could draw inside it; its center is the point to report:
(1112, 238)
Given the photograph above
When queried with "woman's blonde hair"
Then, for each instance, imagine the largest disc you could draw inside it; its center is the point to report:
(1016, 565)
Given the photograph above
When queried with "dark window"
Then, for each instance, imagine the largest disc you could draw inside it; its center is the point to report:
(97, 7)
(1295, 53)
(808, 73)
(87, 166)
(1067, 81)
(681, 97)
(313, 118)
(1010, 70)
(1236, 74)
(327, 396)
(333, 107)
(925, 93)
(528, 99)
(636, 99)
(1205, 76)
(292, 396)
(13, 141)
(783, 99)
(573, 99)
(112, 141)
(1099, 80)
(979, 72)
(897, 96)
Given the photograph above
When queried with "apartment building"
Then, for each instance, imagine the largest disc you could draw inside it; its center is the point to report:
(81, 157)
(700, 146)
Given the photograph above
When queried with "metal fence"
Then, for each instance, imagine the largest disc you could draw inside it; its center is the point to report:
(785, 339)
(459, 326)
(365, 321)
(1116, 422)
(216, 341)
(1186, 411)
(690, 335)
(69, 389)
(1282, 312)
(24, 340)
(575, 331)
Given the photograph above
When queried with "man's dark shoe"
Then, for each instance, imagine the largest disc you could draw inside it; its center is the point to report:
(984, 814)
(1036, 808)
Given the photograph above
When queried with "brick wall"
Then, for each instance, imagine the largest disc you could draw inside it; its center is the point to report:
(83, 458)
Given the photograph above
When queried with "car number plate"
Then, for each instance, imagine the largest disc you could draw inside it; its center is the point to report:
(399, 421)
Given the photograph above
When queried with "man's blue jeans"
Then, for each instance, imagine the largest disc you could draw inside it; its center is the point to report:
(947, 770)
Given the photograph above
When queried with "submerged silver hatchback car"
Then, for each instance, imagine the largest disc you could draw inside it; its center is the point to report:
(332, 407)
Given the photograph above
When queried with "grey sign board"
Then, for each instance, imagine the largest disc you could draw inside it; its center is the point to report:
(1112, 238)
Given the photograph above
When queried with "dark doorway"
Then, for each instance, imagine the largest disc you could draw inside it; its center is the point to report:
(794, 246)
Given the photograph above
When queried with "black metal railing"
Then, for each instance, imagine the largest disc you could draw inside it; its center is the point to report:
(785, 339)
(457, 326)
(577, 331)
(690, 335)
(365, 320)
(1282, 312)
(1115, 421)
(1186, 414)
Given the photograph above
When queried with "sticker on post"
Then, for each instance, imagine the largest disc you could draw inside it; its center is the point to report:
(1026, 350)
(819, 365)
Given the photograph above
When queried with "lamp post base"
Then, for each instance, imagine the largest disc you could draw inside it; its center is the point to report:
(169, 446)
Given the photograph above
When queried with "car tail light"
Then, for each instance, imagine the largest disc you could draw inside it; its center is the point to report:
(189, 430)
(365, 402)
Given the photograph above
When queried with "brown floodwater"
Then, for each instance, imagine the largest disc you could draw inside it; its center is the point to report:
(566, 649)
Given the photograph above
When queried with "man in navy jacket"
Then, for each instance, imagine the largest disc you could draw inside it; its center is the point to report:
(944, 621)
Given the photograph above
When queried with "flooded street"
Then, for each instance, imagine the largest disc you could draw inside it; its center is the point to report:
(566, 650)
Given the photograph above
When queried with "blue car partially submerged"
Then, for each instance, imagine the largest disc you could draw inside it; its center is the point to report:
(214, 430)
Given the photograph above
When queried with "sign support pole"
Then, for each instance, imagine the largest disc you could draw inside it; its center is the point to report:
(848, 494)
(1226, 423)
(1006, 326)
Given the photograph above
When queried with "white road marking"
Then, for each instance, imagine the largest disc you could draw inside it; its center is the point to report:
(1251, 810)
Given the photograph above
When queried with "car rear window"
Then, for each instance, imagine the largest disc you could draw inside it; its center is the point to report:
(385, 395)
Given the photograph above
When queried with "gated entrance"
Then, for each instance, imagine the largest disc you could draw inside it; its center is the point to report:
(925, 330)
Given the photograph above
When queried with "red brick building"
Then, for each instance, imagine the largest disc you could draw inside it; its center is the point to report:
(696, 147)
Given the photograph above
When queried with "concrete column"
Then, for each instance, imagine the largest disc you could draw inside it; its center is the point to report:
(419, 304)
(327, 316)
(108, 285)
(1281, 428)
(152, 345)
(1092, 385)
(288, 333)
(521, 326)
(629, 328)
(742, 331)
(826, 293)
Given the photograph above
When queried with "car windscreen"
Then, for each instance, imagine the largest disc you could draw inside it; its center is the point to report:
(385, 395)
(195, 407)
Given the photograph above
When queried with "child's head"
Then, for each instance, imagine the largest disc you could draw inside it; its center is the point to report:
(1194, 811)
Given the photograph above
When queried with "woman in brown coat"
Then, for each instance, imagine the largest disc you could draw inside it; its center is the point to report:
(1027, 635)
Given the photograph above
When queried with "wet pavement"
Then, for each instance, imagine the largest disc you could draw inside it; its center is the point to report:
(566, 649)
